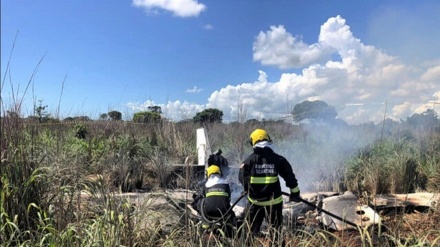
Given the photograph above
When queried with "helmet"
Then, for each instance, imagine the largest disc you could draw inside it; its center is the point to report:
(259, 135)
(213, 170)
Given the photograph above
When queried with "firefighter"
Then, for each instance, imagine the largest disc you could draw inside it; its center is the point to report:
(220, 161)
(216, 204)
(259, 177)
(214, 159)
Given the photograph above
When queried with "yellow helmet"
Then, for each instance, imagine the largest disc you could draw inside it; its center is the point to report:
(213, 170)
(259, 135)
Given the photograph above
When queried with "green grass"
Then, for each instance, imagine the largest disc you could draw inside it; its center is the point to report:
(44, 167)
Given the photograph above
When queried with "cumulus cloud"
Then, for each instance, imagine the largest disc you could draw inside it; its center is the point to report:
(359, 80)
(431, 74)
(279, 48)
(195, 89)
(433, 104)
(173, 110)
(362, 74)
(181, 8)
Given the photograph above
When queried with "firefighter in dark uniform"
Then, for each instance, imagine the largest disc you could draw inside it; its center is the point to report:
(259, 177)
(216, 203)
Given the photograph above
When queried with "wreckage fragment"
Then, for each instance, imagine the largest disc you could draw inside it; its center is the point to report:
(394, 201)
(347, 207)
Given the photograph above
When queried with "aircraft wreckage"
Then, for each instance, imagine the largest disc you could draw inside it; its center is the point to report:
(330, 210)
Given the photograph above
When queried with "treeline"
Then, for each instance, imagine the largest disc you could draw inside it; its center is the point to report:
(317, 112)
(152, 115)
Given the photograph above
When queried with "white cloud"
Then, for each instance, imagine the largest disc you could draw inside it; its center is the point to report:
(431, 74)
(208, 27)
(181, 8)
(361, 84)
(363, 75)
(195, 89)
(432, 104)
(181, 110)
(437, 96)
(401, 111)
(279, 48)
(174, 110)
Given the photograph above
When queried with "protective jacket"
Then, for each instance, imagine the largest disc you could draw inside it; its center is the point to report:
(217, 195)
(259, 175)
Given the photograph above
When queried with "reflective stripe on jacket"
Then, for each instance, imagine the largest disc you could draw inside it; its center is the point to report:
(217, 194)
(259, 176)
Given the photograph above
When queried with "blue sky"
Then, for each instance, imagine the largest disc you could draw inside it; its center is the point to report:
(250, 59)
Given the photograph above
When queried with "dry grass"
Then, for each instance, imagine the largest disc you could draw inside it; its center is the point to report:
(45, 166)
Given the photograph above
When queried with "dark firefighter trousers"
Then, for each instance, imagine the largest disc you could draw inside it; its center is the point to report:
(273, 215)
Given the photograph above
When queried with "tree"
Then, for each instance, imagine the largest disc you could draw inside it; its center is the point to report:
(155, 109)
(115, 115)
(426, 119)
(41, 113)
(103, 116)
(314, 111)
(81, 119)
(146, 117)
(210, 115)
(253, 121)
(68, 119)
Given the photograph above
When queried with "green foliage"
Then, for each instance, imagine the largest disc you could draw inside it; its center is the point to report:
(146, 117)
(210, 115)
(125, 161)
(314, 111)
(82, 119)
(427, 119)
(43, 167)
(77, 119)
(115, 115)
(252, 121)
(430, 162)
(155, 109)
(80, 131)
(22, 183)
(41, 112)
(385, 167)
(103, 116)
(68, 119)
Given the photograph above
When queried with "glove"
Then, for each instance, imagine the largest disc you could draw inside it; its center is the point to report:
(294, 197)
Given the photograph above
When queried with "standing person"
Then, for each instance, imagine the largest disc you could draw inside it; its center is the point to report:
(220, 161)
(216, 203)
(259, 177)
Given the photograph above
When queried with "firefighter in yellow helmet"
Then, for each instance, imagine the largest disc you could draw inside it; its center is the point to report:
(217, 193)
(216, 202)
(259, 177)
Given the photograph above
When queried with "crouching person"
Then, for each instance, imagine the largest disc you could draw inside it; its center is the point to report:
(216, 205)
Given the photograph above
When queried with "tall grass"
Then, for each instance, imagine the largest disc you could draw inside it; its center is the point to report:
(392, 166)
(48, 198)
(59, 188)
